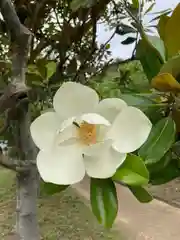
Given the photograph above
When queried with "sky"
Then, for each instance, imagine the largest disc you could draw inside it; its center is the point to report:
(122, 51)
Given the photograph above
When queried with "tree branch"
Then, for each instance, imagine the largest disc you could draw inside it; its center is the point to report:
(100, 52)
(14, 164)
(21, 37)
(18, 32)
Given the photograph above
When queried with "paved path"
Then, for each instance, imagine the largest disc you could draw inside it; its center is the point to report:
(152, 221)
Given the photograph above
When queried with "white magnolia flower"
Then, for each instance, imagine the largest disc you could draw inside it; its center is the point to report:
(85, 135)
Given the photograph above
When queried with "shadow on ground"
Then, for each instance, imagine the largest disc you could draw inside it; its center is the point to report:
(62, 216)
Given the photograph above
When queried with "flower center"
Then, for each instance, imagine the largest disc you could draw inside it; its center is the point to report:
(87, 133)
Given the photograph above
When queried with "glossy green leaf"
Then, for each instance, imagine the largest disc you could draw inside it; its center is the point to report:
(50, 188)
(104, 201)
(141, 194)
(159, 45)
(133, 172)
(170, 172)
(161, 164)
(149, 57)
(159, 142)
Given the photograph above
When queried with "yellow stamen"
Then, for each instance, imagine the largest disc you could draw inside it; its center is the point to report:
(87, 133)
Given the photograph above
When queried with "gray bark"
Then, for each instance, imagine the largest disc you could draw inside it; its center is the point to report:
(26, 218)
(16, 96)
(27, 186)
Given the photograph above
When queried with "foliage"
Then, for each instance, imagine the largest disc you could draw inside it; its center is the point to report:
(64, 47)
(160, 62)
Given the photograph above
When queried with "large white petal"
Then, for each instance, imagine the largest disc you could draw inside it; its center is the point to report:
(63, 165)
(110, 108)
(130, 130)
(68, 132)
(73, 99)
(98, 148)
(103, 164)
(94, 118)
(44, 128)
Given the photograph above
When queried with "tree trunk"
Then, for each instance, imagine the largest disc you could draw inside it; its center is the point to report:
(26, 220)
(28, 182)
(16, 97)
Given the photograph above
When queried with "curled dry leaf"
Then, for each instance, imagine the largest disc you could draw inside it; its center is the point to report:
(165, 82)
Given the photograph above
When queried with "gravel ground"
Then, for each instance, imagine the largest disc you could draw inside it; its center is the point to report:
(169, 192)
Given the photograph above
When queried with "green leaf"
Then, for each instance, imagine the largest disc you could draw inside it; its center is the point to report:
(165, 12)
(135, 3)
(161, 164)
(170, 172)
(108, 46)
(150, 8)
(41, 65)
(123, 29)
(34, 79)
(172, 34)
(38, 84)
(162, 12)
(145, 104)
(50, 188)
(176, 148)
(149, 57)
(128, 40)
(141, 194)
(136, 100)
(76, 4)
(104, 201)
(162, 25)
(158, 44)
(51, 68)
(133, 172)
(109, 73)
(32, 68)
(159, 142)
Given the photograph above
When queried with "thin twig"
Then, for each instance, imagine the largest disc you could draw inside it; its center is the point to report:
(101, 50)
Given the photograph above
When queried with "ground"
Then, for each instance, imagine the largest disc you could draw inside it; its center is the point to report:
(62, 216)
(169, 192)
(65, 216)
